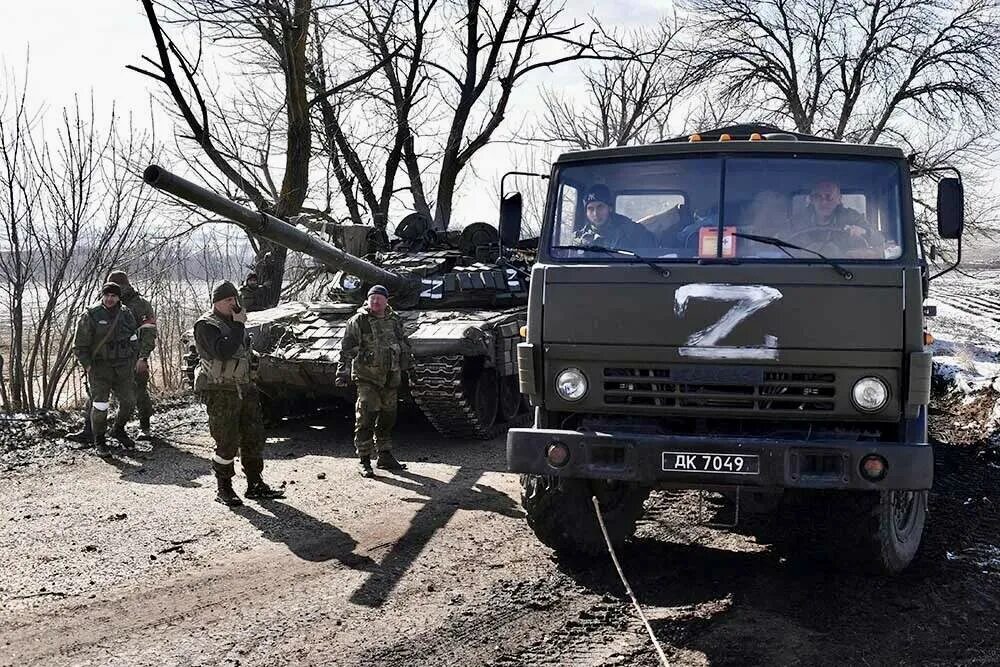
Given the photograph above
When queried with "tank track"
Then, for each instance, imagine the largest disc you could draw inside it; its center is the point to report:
(437, 388)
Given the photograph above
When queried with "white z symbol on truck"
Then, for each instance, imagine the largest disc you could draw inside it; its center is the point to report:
(748, 300)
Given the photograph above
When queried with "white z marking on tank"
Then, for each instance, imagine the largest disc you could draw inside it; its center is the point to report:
(749, 299)
(434, 289)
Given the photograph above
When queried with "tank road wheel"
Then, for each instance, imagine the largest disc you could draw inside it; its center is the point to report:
(512, 403)
(485, 394)
(561, 514)
(458, 395)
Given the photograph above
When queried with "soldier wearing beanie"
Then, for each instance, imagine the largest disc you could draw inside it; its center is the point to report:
(374, 354)
(223, 381)
(106, 346)
(253, 295)
(145, 317)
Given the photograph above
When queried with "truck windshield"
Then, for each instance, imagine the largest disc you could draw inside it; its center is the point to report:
(696, 208)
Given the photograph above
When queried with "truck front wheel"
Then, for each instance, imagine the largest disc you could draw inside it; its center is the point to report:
(894, 527)
(561, 513)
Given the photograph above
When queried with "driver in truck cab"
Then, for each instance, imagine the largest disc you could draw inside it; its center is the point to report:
(827, 220)
(606, 228)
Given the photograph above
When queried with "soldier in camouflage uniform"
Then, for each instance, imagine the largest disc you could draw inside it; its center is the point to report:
(252, 294)
(223, 381)
(146, 319)
(106, 346)
(376, 352)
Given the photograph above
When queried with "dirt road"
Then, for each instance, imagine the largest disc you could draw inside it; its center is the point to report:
(131, 562)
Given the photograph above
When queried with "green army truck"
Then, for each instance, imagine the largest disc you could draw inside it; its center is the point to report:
(739, 311)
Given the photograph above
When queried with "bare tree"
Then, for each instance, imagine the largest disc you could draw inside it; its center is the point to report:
(860, 70)
(450, 69)
(273, 37)
(630, 97)
(71, 211)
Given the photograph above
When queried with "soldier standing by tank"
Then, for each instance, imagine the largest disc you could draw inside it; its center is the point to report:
(144, 315)
(253, 295)
(223, 381)
(106, 346)
(374, 354)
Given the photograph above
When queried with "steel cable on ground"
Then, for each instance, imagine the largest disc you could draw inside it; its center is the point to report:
(628, 589)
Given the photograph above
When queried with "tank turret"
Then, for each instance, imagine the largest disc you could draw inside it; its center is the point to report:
(462, 300)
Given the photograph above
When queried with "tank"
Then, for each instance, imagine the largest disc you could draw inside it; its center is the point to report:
(462, 298)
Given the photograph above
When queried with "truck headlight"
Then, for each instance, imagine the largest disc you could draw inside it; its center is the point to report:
(870, 394)
(571, 384)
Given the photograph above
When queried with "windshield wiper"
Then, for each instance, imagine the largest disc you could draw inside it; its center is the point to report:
(617, 251)
(770, 240)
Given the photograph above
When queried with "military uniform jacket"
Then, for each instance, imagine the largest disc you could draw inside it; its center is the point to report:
(107, 337)
(145, 318)
(224, 362)
(836, 227)
(252, 298)
(375, 348)
(616, 232)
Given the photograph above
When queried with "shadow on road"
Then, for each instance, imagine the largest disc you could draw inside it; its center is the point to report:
(440, 503)
(305, 536)
(164, 463)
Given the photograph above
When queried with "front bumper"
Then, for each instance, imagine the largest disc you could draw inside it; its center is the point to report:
(783, 463)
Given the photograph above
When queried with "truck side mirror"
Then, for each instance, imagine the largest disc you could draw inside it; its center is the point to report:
(510, 219)
(950, 208)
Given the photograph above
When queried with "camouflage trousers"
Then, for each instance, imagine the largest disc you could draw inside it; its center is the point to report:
(104, 379)
(374, 417)
(236, 424)
(143, 404)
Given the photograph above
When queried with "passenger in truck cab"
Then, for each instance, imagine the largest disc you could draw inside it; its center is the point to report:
(606, 228)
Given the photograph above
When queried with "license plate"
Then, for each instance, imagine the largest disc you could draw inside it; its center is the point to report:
(723, 464)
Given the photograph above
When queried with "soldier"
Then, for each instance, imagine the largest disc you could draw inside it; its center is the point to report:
(106, 346)
(606, 228)
(374, 354)
(224, 384)
(146, 319)
(253, 294)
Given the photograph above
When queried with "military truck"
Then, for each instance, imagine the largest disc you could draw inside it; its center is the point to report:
(759, 332)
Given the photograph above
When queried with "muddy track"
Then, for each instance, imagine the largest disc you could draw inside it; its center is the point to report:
(437, 567)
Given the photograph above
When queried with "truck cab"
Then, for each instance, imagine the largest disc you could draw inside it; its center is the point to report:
(736, 311)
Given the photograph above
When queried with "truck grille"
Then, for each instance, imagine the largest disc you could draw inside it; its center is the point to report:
(741, 390)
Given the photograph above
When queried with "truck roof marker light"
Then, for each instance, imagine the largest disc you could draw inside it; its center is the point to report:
(724, 137)
(694, 137)
(756, 137)
(524, 331)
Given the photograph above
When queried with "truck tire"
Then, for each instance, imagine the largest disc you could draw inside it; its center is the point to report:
(561, 513)
(891, 524)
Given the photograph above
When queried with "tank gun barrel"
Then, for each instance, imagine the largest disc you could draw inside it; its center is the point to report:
(271, 228)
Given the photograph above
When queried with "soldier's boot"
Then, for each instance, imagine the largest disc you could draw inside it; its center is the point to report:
(101, 446)
(365, 467)
(123, 437)
(257, 489)
(226, 495)
(386, 461)
(85, 436)
(144, 432)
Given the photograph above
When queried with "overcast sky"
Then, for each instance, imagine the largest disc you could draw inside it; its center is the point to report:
(76, 47)
(79, 47)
